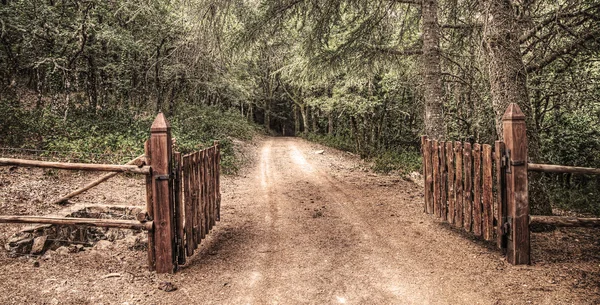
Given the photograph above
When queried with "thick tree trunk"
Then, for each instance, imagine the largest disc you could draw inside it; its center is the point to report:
(432, 77)
(508, 84)
(313, 116)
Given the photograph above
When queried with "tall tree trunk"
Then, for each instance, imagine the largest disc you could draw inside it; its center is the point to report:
(313, 116)
(432, 76)
(330, 124)
(303, 111)
(268, 114)
(508, 84)
(296, 121)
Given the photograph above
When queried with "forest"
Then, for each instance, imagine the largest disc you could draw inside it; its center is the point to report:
(366, 76)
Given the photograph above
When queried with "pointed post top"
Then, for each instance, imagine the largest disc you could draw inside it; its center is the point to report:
(513, 113)
(160, 124)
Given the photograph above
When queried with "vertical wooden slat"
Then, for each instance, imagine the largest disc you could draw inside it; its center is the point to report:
(187, 195)
(488, 197)
(218, 167)
(500, 202)
(197, 194)
(199, 210)
(517, 201)
(468, 186)
(205, 190)
(436, 177)
(451, 190)
(477, 209)
(161, 162)
(149, 209)
(429, 176)
(424, 168)
(179, 209)
(213, 197)
(443, 182)
(458, 184)
(209, 183)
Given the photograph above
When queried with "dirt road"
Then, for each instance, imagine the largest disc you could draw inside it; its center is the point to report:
(300, 227)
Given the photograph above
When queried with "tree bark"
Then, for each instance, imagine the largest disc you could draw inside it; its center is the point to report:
(508, 84)
(432, 76)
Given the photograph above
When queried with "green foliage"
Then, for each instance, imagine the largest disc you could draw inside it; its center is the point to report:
(119, 135)
(403, 161)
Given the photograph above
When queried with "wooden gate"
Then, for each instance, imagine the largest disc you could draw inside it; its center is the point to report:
(197, 197)
(459, 187)
(463, 184)
(182, 197)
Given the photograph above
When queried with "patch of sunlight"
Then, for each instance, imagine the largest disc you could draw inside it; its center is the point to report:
(299, 159)
(341, 300)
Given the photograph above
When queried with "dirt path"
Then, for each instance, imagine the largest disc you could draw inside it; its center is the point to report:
(304, 228)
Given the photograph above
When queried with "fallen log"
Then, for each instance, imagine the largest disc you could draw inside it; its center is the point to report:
(565, 221)
(95, 222)
(98, 181)
(77, 166)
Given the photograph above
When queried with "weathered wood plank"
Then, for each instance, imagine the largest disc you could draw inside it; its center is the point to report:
(451, 189)
(468, 186)
(72, 221)
(424, 168)
(477, 208)
(488, 196)
(218, 145)
(150, 209)
(436, 178)
(551, 168)
(565, 221)
(500, 189)
(189, 220)
(164, 235)
(443, 182)
(458, 183)
(515, 138)
(145, 170)
(179, 209)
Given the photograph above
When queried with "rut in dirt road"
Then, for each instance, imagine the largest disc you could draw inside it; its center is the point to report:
(320, 240)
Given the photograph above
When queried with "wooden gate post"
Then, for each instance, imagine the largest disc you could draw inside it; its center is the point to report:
(515, 139)
(161, 157)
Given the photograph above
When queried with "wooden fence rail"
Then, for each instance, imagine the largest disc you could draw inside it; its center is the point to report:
(145, 170)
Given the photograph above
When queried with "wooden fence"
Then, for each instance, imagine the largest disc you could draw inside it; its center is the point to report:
(182, 197)
(485, 190)
(461, 187)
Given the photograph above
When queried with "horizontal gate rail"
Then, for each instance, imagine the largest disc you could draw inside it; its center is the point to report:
(145, 170)
(551, 168)
(565, 221)
(94, 222)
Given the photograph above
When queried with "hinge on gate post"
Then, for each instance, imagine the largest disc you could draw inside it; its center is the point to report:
(162, 177)
(506, 227)
(506, 160)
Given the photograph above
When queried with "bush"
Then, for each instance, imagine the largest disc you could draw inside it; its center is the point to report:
(117, 136)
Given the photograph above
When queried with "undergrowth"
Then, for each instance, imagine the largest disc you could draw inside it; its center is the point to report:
(401, 160)
(116, 136)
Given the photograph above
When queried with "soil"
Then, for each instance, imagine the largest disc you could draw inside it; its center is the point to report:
(297, 227)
